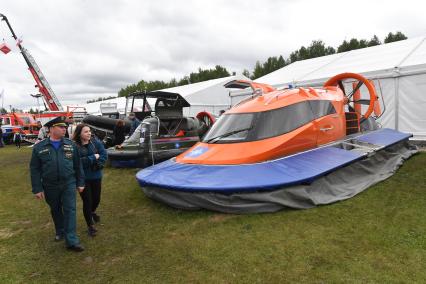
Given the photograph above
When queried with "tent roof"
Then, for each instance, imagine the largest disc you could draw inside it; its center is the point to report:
(384, 58)
(187, 90)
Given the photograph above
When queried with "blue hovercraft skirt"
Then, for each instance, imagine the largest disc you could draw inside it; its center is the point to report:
(301, 168)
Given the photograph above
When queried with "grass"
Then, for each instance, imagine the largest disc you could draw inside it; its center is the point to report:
(377, 236)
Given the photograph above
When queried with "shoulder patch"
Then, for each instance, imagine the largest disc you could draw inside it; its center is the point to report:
(40, 144)
(43, 151)
(69, 141)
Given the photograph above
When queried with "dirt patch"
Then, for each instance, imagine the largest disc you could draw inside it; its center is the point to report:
(216, 218)
(47, 225)
(6, 233)
(21, 222)
(116, 259)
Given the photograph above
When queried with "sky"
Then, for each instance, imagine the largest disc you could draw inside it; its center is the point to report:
(92, 48)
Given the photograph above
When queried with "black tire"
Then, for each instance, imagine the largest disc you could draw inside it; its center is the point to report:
(104, 122)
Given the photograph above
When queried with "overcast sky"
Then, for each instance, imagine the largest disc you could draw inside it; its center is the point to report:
(92, 48)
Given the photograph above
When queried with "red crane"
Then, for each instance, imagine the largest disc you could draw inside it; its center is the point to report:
(45, 90)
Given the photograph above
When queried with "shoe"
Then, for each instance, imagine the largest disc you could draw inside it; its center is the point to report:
(91, 231)
(96, 217)
(76, 248)
(59, 238)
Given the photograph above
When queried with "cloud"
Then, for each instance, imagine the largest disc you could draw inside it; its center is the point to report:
(87, 49)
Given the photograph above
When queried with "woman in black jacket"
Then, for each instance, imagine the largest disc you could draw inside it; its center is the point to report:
(93, 157)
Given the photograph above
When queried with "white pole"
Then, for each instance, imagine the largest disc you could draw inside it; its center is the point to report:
(2, 99)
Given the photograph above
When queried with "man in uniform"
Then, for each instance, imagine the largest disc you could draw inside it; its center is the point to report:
(56, 174)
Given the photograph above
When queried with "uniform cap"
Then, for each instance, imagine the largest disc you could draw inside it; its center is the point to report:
(57, 121)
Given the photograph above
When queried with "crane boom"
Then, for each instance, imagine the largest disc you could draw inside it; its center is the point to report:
(48, 95)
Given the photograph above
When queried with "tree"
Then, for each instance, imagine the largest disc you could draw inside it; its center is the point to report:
(316, 49)
(246, 73)
(354, 43)
(184, 81)
(343, 47)
(351, 45)
(374, 41)
(208, 74)
(363, 43)
(395, 37)
(270, 65)
(3, 110)
(100, 99)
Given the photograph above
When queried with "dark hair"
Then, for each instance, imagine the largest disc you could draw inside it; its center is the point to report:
(76, 137)
(120, 123)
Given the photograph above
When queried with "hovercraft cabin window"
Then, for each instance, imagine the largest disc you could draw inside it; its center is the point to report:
(268, 124)
(283, 120)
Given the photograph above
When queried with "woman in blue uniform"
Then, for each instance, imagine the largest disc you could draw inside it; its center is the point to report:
(93, 157)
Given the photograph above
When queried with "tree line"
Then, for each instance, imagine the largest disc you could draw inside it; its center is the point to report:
(194, 77)
(317, 48)
(100, 99)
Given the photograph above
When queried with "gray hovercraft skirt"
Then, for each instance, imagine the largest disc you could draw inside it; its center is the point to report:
(340, 184)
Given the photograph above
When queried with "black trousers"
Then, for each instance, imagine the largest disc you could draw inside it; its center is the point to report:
(91, 197)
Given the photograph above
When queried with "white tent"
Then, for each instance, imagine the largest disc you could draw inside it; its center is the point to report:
(397, 69)
(209, 96)
(94, 108)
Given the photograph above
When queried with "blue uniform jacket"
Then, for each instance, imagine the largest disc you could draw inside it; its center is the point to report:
(88, 159)
(51, 168)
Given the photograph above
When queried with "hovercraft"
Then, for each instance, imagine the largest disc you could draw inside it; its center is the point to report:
(295, 148)
(164, 132)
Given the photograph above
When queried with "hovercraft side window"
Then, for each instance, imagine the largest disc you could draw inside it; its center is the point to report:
(321, 108)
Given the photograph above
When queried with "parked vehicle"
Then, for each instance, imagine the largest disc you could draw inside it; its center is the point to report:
(163, 132)
(295, 148)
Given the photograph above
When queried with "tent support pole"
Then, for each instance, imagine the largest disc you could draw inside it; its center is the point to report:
(396, 103)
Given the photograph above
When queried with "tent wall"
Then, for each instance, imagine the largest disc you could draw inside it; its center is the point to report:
(386, 88)
(195, 109)
(212, 99)
(412, 105)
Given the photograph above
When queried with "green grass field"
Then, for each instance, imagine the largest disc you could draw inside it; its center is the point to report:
(377, 236)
